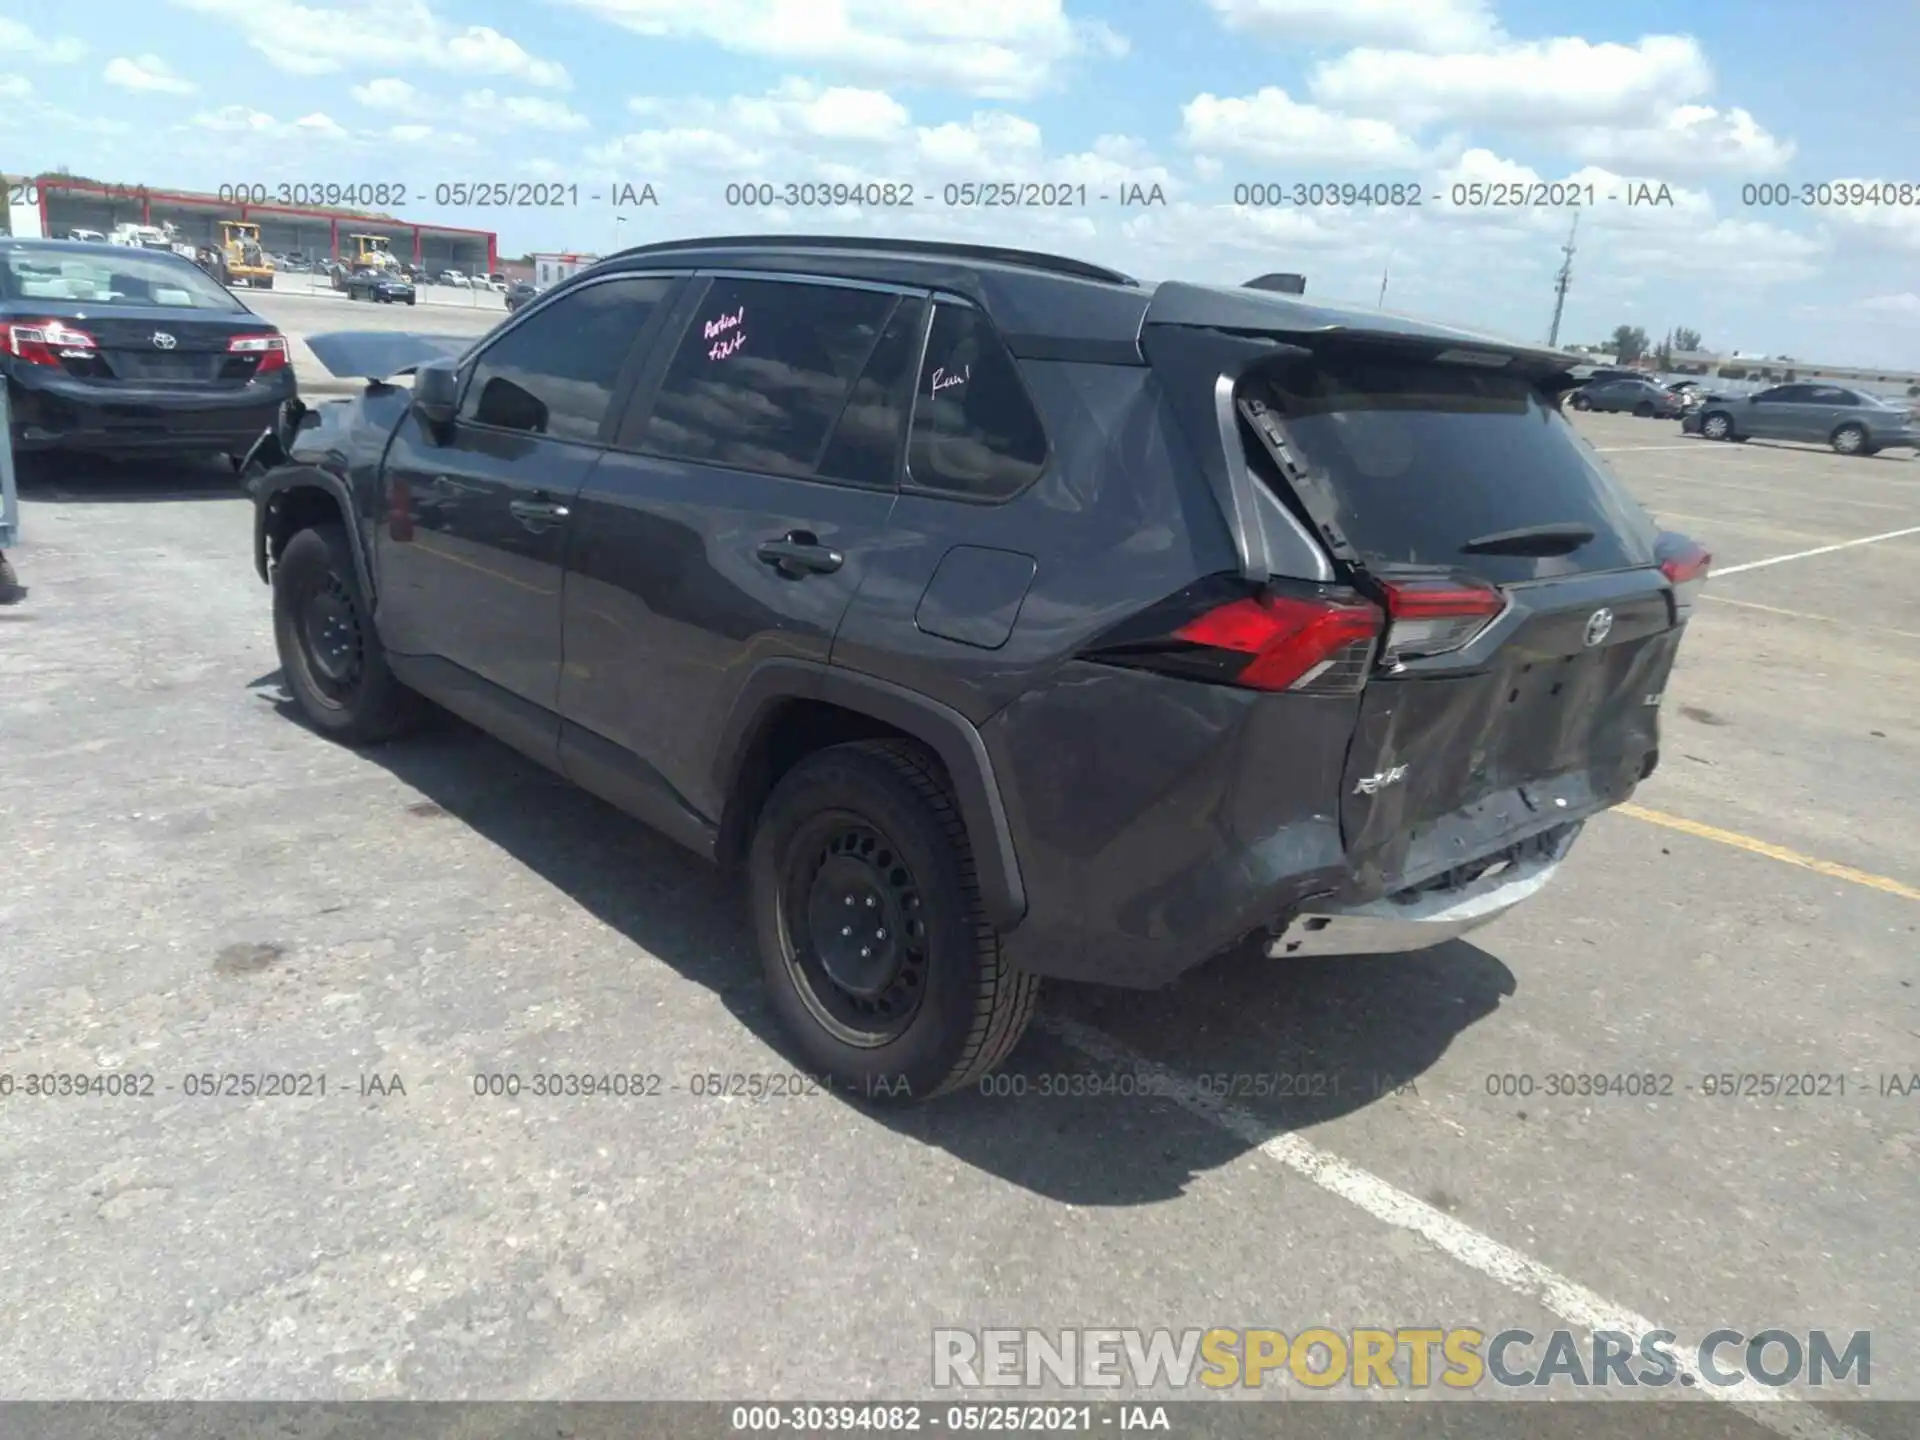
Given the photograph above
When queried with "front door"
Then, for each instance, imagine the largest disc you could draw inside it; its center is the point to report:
(731, 523)
(471, 543)
(1771, 415)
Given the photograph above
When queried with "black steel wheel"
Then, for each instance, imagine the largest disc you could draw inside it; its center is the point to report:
(878, 959)
(329, 650)
(855, 937)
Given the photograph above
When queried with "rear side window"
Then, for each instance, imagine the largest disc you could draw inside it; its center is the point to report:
(554, 373)
(1419, 458)
(975, 433)
(763, 375)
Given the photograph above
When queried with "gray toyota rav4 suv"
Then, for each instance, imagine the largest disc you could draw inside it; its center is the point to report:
(1000, 616)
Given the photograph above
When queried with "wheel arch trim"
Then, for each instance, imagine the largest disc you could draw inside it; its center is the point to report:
(949, 734)
(276, 483)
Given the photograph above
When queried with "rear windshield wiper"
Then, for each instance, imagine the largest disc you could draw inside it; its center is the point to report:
(1540, 540)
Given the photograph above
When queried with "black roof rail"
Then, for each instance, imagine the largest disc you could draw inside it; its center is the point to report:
(931, 249)
(1284, 283)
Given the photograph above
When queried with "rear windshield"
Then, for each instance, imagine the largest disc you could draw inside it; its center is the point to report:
(116, 275)
(1418, 458)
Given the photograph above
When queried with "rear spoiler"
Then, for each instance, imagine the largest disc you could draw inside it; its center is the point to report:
(381, 354)
(1256, 309)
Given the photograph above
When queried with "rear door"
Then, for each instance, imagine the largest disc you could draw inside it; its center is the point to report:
(744, 499)
(1827, 408)
(1530, 630)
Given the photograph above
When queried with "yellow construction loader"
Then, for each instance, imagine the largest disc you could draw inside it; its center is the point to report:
(242, 260)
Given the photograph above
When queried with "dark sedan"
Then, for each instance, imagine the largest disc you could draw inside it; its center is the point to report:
(132, 351)
(1636, 397)
(518, 294)
(384, 287)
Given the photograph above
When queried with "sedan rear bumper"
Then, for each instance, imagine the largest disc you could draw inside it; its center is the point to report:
(1422, 919)
(56, 413)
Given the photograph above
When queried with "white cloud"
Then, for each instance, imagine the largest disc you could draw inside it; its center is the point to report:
(1394, 24)
(1728, 253)
(1905, 306)
(696, 150)
(1535, 85)
(1271, 126)
(838, 113)
(1001, 49)
(991, 145)
(534, 111)
(305, 39)
(1687, 140)
(386, 94)
(147, 73)
(15, 87)
(243, 120)
(1852, 209)
(17, 42)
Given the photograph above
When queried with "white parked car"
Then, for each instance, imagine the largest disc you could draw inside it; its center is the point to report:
(453, 277)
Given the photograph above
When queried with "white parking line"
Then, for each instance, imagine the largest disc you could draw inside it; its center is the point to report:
(1624, 449)
(1391, 1205)
(1818, 550)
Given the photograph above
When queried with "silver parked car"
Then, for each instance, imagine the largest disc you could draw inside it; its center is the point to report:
(1852, 422)
(1635, 396)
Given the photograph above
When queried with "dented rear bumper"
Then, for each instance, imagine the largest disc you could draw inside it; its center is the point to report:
(1420, 919)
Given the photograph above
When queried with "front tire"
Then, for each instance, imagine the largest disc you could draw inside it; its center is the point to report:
(1581, 402)
(1850, 440)
(1717, 426)
(329, 650)
(879, 959)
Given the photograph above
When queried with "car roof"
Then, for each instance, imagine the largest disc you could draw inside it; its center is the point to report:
(1051, 306)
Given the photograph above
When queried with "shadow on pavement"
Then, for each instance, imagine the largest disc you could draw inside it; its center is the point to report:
(1291, 1044)
(87, 479)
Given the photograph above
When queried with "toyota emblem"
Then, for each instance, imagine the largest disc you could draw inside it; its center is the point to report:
(1599, 626)
(163, 341)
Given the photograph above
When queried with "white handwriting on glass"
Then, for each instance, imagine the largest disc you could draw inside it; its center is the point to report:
(943, 381)
(714, 329)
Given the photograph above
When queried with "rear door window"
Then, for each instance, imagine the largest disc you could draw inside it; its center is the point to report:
(764, 376)
(1417, 458)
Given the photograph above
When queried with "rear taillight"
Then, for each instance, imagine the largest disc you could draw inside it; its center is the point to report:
(1685, 565)
(272, 350)
(46, 342)
(1435, 617)
(1322, 645)
(1306, 639)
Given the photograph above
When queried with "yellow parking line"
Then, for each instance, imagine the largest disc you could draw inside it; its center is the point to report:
(1772, 852)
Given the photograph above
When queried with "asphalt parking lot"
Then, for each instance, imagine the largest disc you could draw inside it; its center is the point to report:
(197, 884)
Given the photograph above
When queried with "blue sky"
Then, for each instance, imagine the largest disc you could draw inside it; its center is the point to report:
(1193, 96)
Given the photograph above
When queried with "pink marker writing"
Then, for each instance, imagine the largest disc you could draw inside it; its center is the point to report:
(725, 323)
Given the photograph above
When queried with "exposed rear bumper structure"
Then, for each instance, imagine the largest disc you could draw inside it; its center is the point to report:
(1419, 919)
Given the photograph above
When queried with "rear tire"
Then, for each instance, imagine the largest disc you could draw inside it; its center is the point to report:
(911, 996)
(1643, 410)
(1850, 439)
(329, 650)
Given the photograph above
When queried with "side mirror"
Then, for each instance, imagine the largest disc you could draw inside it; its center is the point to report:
(436, 393)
